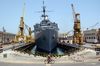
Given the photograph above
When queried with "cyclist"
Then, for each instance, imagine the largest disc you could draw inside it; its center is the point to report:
(49, 58)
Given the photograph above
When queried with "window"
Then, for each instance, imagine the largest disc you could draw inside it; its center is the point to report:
(87, 37)
(94, 37)
(98, 37)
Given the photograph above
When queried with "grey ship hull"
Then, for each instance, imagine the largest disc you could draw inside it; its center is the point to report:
(46, 39)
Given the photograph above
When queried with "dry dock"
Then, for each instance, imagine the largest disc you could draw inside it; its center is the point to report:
(81, 55)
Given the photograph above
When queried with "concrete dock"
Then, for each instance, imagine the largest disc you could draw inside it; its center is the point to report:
(14, 45)
(86, 55)
(17, 57)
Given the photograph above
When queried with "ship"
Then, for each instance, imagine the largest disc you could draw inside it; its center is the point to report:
(46, 33)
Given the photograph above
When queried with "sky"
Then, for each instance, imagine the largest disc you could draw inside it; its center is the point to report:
(11, 11)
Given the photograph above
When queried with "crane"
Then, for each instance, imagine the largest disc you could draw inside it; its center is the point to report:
(93, 26)
(3, 29)
(67, 33)
(29, 30)
(21, 35)
(22, 22)
(77, 26)
(3, 34)
(29, 38)
(21, 32)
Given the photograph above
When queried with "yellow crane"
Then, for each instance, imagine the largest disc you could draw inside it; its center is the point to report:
(21, 35)
(29, 30)
(77, 27)
(29, 38)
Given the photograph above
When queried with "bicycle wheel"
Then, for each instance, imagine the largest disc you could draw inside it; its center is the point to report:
(52, 61)
(45, 61)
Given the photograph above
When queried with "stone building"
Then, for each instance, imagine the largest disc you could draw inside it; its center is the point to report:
(6, 37)
(70, 37)
(92, 34)
(98, 35)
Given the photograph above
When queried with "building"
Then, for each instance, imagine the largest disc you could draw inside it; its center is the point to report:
(92, 34)
(70, 37)
(98, 35)
(6, 37)
(62, 37)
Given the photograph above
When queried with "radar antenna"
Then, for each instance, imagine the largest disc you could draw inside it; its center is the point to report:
(44, 11)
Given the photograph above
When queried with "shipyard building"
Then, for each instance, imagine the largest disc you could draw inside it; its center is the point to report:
(6, 37)
(93, 34)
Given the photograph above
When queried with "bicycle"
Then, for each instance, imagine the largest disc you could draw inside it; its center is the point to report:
(51, 61)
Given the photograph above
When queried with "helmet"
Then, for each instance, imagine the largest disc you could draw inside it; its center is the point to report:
(48, 55)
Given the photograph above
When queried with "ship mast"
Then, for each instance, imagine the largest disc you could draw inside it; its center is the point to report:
(43, 15)
(44, 10)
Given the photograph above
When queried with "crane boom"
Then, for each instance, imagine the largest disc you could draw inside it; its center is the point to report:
(82, 30)
(67, 33)
(94, 25)
(26, 27)
(73, 12)
(23, 13)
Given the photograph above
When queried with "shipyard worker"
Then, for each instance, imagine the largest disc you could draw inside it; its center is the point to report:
(49, 58)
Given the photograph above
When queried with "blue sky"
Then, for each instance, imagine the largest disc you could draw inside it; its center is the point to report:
(11, 11)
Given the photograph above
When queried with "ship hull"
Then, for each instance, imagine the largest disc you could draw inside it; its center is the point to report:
(46, 39)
